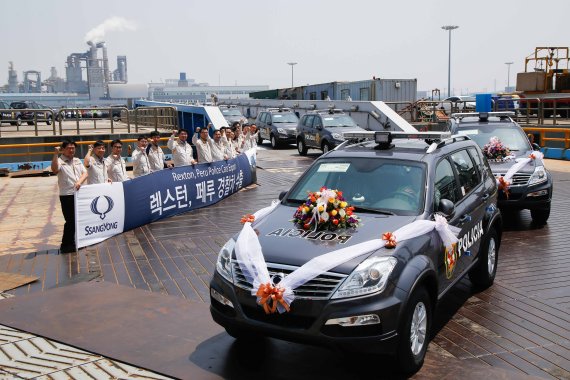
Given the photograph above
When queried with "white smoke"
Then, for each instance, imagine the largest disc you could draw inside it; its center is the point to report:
(118, 24)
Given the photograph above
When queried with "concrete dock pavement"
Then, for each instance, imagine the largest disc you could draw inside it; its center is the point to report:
(517, 329)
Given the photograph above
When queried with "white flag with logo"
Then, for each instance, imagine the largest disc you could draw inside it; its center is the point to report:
(99, 212)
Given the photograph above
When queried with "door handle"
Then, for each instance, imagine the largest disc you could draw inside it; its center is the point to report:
(465, 218)
(485, 197)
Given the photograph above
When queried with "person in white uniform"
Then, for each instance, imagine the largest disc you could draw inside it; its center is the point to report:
(116, 167)
(141, 165)
(70, 176)
(96, 164)
(202, 144)
(182, 152)
(155, 154)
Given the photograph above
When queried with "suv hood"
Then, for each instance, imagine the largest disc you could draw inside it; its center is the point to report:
(504, 166)
(341, 130)
(282, 242)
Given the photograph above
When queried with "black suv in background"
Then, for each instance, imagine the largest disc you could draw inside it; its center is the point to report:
(5, 116)
(531, 187)
(278, 125)
(28, 114)
(383, 297)
(323, 129)
(232, 114)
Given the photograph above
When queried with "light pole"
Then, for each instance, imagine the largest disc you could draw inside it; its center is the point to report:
(291, 64)
(508, 75)
(449, 28)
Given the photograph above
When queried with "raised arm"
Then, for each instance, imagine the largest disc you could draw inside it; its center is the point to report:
(87, 159)
(55, 160)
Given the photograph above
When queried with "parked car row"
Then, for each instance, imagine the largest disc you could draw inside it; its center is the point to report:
(24, 111)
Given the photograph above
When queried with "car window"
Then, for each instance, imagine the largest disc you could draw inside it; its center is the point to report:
(338, 121)
(363, 183)
(445, 183)
(285, 118)
(309, 121)
(262, 117)
(317, 122)
(477, 159)
(468, 177)
(512, 136)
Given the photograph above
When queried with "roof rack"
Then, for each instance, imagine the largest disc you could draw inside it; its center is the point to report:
(450, 140)
(328, 110)
(384, 138)
(483, 115)
(278, 109)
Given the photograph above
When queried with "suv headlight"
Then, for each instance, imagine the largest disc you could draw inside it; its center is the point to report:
(538, 176)
(224, 262)
(282, 131)
(371, 276)
(337, 136)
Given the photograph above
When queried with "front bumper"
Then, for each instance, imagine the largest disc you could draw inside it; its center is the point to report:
(536, 197)
(305, 323)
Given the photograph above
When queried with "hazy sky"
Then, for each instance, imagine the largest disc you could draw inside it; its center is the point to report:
(250, 42)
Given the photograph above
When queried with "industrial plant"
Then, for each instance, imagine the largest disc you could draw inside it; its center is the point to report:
(94, 62)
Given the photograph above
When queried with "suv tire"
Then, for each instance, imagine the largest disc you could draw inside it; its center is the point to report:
(483, 273)
(540, 216)
(326, 147)
(259, 138)
(301, 147)
(414, 332)
(48, 120)
(274, 142)
(18, 121)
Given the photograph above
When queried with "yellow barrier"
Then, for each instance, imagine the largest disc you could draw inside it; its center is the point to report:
(543, 131)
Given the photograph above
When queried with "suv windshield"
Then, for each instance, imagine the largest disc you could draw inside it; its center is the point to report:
(19, 105)
(285, 118)
(338, 121)
(392, 186)
(231, 112)
(513, 138)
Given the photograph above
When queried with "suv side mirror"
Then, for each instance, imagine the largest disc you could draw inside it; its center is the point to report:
(269, 123)
(446, 207)
(282, 194)
(535, 146)
(319, 127)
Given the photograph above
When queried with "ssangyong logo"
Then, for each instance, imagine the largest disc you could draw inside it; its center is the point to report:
(96, 206)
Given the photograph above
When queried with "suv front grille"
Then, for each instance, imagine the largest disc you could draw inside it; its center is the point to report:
(321, 287)
(519, 179)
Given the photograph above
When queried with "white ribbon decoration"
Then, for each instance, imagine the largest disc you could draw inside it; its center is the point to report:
(250, 256)
(521, 163)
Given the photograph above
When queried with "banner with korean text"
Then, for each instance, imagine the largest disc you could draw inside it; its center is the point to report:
(105, 210)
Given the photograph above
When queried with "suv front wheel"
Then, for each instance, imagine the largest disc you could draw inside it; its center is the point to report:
(274, 142)
(326, 147)
(414, 332)
(540, 216)
(301, 147)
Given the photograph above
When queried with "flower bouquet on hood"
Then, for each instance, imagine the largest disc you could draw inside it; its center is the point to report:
(496, 150)
(325, 210)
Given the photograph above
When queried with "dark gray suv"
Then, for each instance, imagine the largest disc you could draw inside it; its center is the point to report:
(531, 187)
(354, 288)
(323, 129)
(278, 125)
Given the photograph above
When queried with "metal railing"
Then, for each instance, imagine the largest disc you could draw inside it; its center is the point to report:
(86, 119)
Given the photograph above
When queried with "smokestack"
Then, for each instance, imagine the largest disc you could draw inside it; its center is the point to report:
(105, 61)
(92, 61)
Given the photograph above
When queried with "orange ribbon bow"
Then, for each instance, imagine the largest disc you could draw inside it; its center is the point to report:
(270, 297)
(247, 218)
(504, 185)
(390, 239)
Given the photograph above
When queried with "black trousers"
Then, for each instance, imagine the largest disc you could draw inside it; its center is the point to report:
(68, 210)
